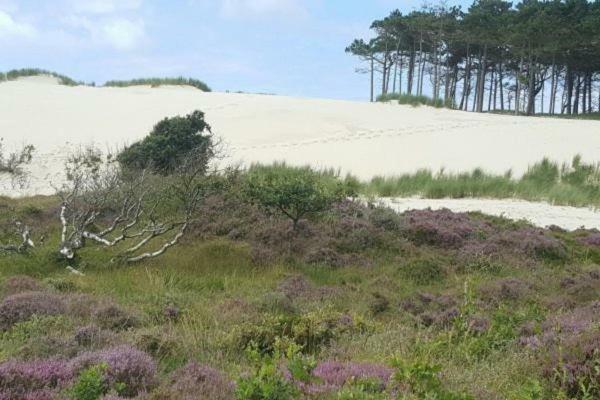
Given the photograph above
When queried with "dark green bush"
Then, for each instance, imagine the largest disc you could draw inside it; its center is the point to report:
(169, 142)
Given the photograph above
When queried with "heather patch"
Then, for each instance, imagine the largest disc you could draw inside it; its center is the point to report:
(22, 306)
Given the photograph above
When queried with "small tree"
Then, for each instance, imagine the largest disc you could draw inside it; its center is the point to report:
(129, 211)
(293, 191)
(171, 140)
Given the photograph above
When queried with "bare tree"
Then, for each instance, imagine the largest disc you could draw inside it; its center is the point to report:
(12, 164)
(138, 213)
(25, 242)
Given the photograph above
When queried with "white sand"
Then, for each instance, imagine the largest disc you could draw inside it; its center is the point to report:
(540, 214)
(358, 137)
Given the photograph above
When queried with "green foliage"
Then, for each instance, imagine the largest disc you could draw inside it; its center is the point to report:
(415, 101)
(576, 184)
(294, 192)
(18, 73)
(422, 379)
(154, 82)
(266, 382)
(169, 142)
(90, 384)
(311, 331)
(424, 271)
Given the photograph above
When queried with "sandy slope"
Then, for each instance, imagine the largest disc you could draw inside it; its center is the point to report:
(362, 138)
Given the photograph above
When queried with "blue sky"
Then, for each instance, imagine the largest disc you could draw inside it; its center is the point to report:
(289, 47)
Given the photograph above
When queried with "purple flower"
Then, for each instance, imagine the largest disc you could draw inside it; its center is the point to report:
(20, 307)
(125, 365)
(35, 379)
(200, 382)
(330, 376)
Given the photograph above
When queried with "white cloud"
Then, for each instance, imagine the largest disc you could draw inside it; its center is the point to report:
(11, 28)
(121, 33)
(260, 8)
(104, 6)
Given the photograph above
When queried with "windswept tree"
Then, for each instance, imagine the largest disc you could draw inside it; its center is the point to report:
(137, 210)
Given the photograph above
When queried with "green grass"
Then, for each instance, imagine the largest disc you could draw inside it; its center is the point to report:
(413, 100)
(161, 81)
(576, 184)
(18, 73)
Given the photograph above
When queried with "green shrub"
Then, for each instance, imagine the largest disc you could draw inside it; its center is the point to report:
(266, 382)
(90, 384)
(154, 82)
(169, 142)
(294, 192)
(424, 271)
(422, 380)
(311, 331)
(414, 100)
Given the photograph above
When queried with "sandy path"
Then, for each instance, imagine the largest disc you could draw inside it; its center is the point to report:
(540, 214)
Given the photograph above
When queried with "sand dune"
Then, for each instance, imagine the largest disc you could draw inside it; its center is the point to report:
(358, 137)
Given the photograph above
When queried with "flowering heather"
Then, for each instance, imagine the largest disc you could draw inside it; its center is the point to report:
(298, 287)
(86, 335)
(559, 328)
(507, 289)
(442, 228)
(22, 306)
(575, 364)
(591, 239)
(533, 242)
(20, 283)
(200, 382)
(430, 309)
(114, 317)
(35, 379)
(331, 376)
(125, 365)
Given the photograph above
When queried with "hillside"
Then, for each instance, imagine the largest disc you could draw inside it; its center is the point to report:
(361, 138)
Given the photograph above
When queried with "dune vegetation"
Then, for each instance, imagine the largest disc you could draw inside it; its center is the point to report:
(575, 184)
(155, 82)
(169, 280)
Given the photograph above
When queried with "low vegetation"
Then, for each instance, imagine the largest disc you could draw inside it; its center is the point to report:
(576, 184)
(414, 100)
(355, 302)
(24, 72)
(155, 82)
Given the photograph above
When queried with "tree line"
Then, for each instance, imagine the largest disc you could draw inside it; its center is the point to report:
(531, 57)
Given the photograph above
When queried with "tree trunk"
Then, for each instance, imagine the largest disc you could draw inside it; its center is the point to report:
(569, 84)
(481, 89)
(576, 101)
(552, 89)
(372, 77)
(501, 87)
(411, 70)
(518, 91)
(491, 91)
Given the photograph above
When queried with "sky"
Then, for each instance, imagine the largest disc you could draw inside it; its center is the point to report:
(287, 47)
